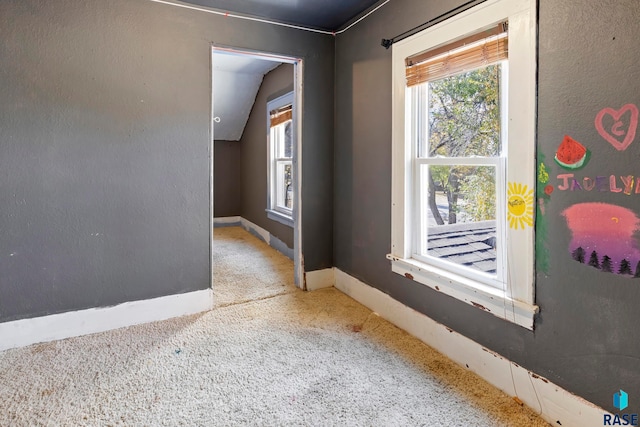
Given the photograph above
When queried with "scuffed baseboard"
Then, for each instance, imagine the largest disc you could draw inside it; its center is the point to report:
(20, 333)
(556, 405)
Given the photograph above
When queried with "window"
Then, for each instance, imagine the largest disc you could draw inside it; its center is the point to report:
(280, 124)
(463, 158)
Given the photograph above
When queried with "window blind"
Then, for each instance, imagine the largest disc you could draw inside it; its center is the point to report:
(468, 53)
(281, 115)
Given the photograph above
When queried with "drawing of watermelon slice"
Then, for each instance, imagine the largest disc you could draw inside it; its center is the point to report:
(571, 154)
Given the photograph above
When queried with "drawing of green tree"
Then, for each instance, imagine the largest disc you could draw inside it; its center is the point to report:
(606, 264)
(593, 260)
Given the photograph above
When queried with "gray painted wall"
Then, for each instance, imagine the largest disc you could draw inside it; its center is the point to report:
(104, 112)
(255, 151)
(227, 178)
(104, 130)
(586, 338)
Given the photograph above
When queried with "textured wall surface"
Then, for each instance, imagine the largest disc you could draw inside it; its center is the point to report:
(255, 151)
(586, 338)
(588, 334)
(104, 136)
(227, 178)
(104, 127)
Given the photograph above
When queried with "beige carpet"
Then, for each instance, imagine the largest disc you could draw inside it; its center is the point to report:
(247, 269)
(293, 359)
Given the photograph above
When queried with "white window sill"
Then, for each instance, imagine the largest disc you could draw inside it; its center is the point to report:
(473, 293)
(279, 217)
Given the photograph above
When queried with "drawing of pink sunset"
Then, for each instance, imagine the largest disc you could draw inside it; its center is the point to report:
(603, 237)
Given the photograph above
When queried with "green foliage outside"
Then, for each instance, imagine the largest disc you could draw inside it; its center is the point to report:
(464, 121)
(479, 192)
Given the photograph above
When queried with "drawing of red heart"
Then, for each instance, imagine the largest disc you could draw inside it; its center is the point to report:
(617, 128)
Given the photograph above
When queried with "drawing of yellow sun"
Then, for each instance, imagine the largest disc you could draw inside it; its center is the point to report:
(520, 206)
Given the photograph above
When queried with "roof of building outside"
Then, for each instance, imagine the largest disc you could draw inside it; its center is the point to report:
(472, 244)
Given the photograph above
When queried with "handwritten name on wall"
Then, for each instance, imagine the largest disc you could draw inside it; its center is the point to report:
(625, 184)
(604, 235)
(618, 128)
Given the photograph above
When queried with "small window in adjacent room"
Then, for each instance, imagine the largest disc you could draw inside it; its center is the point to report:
(280, 168)
(463, 158)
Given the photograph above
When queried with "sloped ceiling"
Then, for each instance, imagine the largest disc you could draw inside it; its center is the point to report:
(327, 15)
(236, 80)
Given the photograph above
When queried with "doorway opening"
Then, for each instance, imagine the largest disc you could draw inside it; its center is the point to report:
(237, 96)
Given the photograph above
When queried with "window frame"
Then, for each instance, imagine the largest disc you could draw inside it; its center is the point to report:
(514, 301)
(278, 213)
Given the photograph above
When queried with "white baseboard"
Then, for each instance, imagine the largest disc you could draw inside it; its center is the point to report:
(319, 279)
(257, 231)
(556, 405)
(239, 221)
(25, 332)
(226, 220)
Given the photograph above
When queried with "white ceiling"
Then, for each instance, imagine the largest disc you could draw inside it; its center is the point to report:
(236, 80)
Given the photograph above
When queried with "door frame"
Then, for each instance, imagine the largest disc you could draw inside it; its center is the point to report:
(298, 72)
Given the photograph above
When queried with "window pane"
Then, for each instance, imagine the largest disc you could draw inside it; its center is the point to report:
(284, 186)
(287, 140)
(283, 140)
(458, 215)
(463, 118)
(275, 141)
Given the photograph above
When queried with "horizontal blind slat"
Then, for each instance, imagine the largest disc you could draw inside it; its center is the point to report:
(281, 117)
(481, 53)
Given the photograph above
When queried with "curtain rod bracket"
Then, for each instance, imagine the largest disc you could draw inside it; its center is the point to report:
(387, 43)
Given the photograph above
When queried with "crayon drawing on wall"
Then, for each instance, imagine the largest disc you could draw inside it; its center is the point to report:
(571, 154)
(617, 127)
(543, 194)
(603, 237)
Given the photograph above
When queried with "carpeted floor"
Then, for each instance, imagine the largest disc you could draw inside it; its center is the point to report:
(247, 269)
(276, 357)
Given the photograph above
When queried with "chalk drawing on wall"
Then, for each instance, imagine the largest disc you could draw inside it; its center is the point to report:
(519, 205)
(618, 127)
(543, 179)
(571, 154)
(623, 184)
(603, 237)
(543, 195)
(543, 175)
(543, 183)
